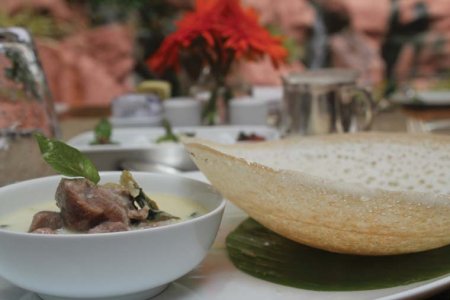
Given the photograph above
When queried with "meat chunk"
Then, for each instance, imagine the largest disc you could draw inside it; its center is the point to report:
(85, 205)
(46, 219)
(109, 227)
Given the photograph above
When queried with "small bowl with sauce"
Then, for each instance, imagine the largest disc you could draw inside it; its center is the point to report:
(127, 265)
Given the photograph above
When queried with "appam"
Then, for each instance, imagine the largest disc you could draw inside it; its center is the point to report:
(364, 193)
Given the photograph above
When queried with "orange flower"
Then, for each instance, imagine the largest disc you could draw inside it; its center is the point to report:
(222, 30)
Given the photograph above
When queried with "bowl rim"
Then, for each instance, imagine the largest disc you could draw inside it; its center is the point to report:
(220, 208)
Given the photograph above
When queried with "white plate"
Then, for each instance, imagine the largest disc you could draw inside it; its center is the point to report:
(139, 144)
(216, 278)
(145, 136)
(422, 98)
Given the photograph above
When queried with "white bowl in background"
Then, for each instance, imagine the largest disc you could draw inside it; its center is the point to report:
(131, 265)
(248, 111)
(183, 111)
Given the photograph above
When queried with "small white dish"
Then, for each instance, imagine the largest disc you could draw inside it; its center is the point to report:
(136, 109)
(422, 98)
(132, 265)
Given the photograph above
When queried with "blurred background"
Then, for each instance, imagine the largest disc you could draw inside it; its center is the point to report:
(95, 55)
(95, 50)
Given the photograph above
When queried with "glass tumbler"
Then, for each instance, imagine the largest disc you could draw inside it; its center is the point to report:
(26, 107)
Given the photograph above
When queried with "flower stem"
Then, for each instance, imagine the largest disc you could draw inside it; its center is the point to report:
(210, 112)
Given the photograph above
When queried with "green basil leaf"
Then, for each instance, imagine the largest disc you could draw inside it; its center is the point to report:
(66, 160)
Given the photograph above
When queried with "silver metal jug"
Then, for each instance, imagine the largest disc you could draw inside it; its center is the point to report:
(325, 101)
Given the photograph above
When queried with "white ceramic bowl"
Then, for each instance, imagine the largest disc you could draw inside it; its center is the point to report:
(130, 265)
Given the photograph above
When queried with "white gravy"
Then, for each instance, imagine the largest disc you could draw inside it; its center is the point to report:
(181, 207)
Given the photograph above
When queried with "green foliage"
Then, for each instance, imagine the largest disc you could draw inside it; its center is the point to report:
(294, 49)
(443, 84)
(38, 25)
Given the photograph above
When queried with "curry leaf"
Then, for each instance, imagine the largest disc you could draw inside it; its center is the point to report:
(141, 200)
(103, 132)
(66, 160)
(169, 136)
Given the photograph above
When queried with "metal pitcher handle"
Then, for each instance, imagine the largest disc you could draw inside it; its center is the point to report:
(369, 107)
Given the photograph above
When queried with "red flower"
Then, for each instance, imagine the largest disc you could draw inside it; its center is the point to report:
(222, 30)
